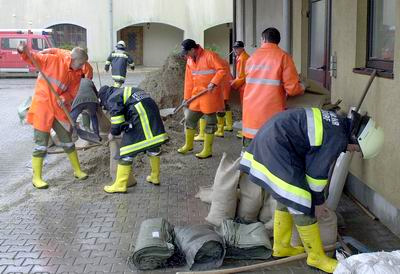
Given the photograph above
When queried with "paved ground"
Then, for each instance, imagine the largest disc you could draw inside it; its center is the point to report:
(76, 227)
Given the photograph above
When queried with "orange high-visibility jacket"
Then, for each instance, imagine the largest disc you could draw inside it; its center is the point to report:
(45, 108)
(270, 76)
(240, 80)
(87, 69)
(208, 68)
(226, 82)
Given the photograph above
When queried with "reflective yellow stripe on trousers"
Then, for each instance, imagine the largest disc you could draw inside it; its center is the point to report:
(279, 186)
(315, 130)
(316, 185)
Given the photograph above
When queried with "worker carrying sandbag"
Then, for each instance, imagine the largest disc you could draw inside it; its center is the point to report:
(119, 59)
(136, 114)
(64, 72)
(204, 71)
(290, 157)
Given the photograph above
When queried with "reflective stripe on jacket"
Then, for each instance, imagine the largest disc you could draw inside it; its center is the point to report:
(292, 154)
(136, 108)
(207, 69)
(270, 76)
(45, 108)
(240, 80)
(119, 60)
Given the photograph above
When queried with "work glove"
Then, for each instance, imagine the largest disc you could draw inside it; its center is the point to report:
(22, 47)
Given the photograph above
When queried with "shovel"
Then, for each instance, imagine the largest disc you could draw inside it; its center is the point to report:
(88, 136)
(187, 102)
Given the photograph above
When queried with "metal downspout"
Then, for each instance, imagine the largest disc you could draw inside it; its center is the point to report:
(110, 2)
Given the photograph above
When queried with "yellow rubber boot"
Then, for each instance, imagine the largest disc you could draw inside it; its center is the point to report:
(202, 127)
(220, 127)
(189, 138)
(37, 165)
(239, 134)
(207, 147)
(78, 173)
(283, 224)
(154, 177)
(310, 236)
(228, 121)
(121, 180)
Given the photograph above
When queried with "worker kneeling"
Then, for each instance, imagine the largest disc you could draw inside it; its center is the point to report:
(136, 114)
(290, 157)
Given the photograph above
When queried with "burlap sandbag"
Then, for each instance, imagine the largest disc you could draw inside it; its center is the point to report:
(267, 211)
(104, 121)
(223, 198)
(114, 151)
(251, 199)
(328, 230)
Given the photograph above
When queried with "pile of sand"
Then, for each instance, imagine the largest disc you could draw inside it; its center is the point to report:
(166, 84)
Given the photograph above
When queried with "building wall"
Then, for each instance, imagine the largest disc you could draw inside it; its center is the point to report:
(218, 37)
(159, 40)
(193, 17)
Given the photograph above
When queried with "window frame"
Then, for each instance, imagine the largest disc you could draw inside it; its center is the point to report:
(379, 64)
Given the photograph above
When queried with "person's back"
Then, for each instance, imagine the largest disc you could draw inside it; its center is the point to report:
(119, 60)
(271, 76)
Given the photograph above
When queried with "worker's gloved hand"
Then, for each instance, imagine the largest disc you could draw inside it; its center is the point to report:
(211, 86)
(106, 68)
(110, 137)
(22, 47)
(321, 211)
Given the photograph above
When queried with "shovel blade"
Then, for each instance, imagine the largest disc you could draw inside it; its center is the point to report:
(88, 136)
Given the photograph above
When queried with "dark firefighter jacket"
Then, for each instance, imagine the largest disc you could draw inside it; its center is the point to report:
(135, 112)
(292, 154)
(118, 59)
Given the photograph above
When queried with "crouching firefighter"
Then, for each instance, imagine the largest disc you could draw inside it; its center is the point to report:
(136, 114)
(290, 157)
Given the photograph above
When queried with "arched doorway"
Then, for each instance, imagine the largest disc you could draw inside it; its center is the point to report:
(69, 35)
(150, 43)
(218, 39)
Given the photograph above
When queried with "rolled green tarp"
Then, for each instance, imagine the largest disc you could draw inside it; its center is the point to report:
(203, 248)
(154, 244)
(246, 241)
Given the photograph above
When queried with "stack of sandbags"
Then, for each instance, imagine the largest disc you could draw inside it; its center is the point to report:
(327, 226)
(154, 245)
(203, 248)
(251, 199)
(224, 197)
(246, 241)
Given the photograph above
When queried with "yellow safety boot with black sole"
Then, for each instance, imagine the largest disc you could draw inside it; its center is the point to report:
(207, 147)
(311, 238)
(220, 127)
(228, 121)
(121, 180)
(202, 127)
(189, 138)
(283, 224)
(78, 173)
(37, 165)
(239, 134)
(154, 177)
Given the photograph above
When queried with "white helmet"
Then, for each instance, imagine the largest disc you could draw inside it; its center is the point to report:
(370, 138)
(121, 43)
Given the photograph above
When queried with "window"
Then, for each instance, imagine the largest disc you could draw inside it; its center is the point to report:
(39, 44)
(381, 34)
(11, 43)
(68, 36)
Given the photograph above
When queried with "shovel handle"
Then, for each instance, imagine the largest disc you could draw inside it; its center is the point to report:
(371, 79)
(36, 65)
(186, 103)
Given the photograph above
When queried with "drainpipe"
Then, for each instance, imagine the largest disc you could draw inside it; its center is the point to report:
(287, 25)
(110, 2)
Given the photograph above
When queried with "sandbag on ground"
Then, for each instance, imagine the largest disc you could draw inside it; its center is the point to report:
(246, 241)
(203, 248)
(224, 195)
(251, 199)
(154, 244)
(267, 211)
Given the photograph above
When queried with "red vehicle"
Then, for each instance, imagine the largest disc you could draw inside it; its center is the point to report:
(10, 61)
